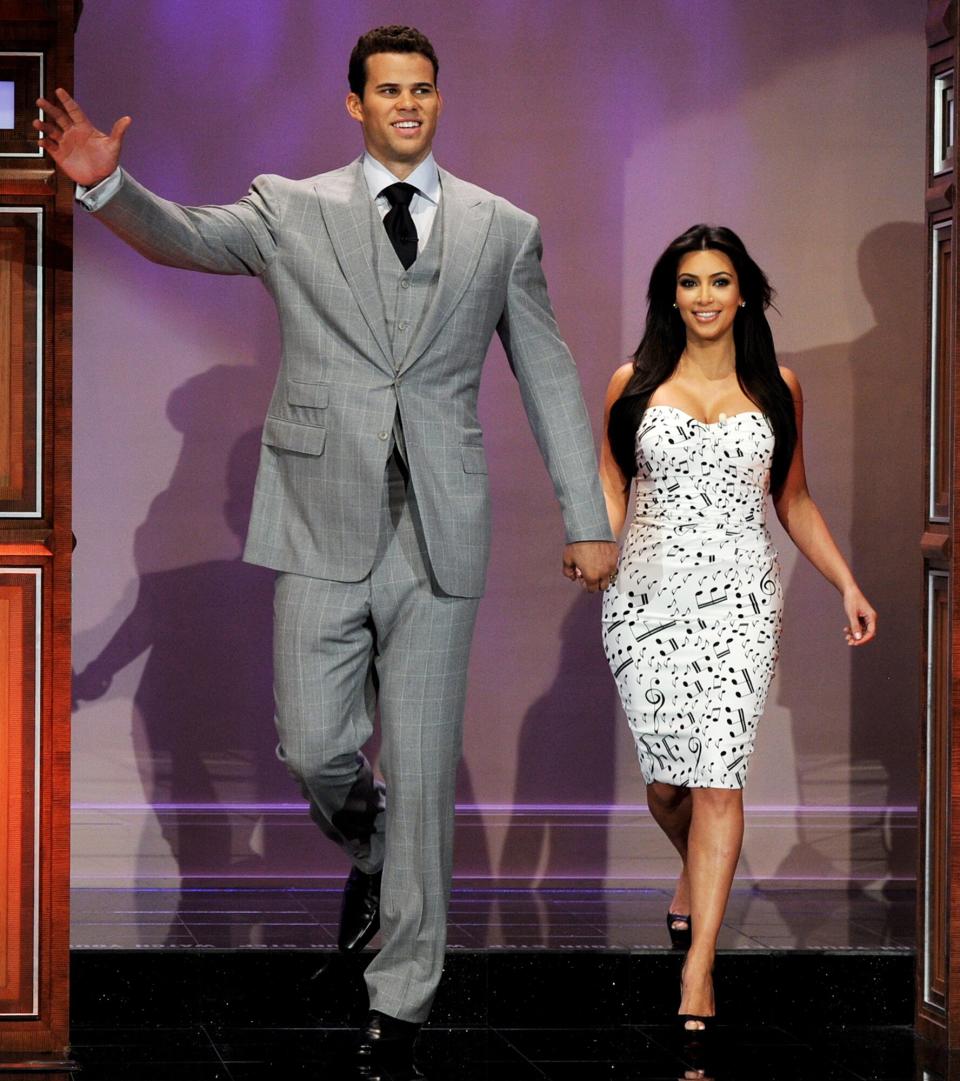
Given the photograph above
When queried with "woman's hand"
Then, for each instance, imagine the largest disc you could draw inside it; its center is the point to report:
(861, 618)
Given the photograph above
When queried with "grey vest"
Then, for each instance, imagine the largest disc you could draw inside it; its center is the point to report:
(406, 294)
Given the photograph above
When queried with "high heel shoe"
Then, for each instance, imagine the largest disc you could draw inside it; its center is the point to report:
(694, 1034)
(680, 937)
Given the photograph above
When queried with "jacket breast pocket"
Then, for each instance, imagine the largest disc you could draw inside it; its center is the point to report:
(300, 438)
(311, 395)
(474, 460)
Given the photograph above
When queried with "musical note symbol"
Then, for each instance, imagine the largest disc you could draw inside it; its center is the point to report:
(670, 751)
(642, 740)
(715, 595)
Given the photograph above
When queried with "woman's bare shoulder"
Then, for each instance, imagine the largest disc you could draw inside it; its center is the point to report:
(620, 378)
(618, 383)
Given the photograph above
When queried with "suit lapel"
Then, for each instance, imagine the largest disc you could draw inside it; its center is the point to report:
(348, 213)
(466, 218)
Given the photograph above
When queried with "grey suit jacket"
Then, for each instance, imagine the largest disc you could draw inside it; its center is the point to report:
(327, 431)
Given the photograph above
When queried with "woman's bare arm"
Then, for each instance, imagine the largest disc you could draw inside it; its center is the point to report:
(801, 518)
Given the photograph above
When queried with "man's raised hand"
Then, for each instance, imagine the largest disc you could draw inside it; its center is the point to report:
(85, 154)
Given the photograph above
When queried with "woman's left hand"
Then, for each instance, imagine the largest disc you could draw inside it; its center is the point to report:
(861, 618)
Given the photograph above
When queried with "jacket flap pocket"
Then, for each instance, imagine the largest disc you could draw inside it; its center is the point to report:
(316, 395)
(302, 438)
(474, 460)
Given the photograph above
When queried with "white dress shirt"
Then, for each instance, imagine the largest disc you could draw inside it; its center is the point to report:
(423, 206)
(100, 194)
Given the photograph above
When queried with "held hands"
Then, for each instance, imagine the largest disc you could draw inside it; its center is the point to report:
(861, 618)
(591, 563)
(85, 154)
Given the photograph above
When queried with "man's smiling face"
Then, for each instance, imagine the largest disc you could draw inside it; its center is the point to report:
(399, 110)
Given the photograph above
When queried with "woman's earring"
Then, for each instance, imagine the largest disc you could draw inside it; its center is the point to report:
(743, 303)
(675, 304)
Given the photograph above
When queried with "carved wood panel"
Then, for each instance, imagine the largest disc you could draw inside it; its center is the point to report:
(21, 361)
(938, 907)
(19, 760)
(36, 47)
(941, 372)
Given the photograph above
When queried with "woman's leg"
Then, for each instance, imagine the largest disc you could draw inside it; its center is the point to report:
(671, 807)
(713, 849)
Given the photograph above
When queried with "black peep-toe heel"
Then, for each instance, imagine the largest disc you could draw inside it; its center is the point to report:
(680, 937)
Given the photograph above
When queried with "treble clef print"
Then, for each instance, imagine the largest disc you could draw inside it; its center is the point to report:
(656, 699)
(768, 583)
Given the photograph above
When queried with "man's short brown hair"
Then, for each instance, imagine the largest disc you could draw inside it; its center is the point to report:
(387, 39)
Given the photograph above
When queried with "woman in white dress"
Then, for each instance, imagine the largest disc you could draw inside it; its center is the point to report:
(705, 425)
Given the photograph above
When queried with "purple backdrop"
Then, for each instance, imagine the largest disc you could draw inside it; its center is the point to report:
(619, 125)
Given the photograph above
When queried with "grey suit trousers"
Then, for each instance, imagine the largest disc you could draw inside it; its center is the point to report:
(393, 640)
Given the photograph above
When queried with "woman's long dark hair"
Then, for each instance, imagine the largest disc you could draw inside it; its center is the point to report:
(665, 338)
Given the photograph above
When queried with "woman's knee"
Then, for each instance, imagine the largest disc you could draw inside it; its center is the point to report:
(668, 796)
(719, 800)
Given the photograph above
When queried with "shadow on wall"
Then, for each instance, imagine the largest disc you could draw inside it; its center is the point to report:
(203, 711)
(873, 387)
(566, 748)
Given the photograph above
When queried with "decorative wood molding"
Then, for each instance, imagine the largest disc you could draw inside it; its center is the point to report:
(38, 183)
(35, 552)
(940, 196)
(941, 21)
(938, 895)
(935, 546)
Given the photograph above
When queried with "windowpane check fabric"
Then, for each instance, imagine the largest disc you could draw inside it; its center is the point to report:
(383, 555)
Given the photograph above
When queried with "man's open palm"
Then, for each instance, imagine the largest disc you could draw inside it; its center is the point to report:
(85, 154)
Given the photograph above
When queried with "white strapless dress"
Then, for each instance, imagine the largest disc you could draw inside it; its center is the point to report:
(691, 627)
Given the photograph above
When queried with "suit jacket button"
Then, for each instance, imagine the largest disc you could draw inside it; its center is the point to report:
(404, 283)
(383, 435)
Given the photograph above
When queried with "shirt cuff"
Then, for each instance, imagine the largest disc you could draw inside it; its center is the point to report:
(99, 195)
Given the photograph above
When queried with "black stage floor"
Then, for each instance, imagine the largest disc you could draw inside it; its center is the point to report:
(197, 985)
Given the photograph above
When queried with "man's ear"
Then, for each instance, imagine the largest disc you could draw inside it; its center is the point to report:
(354, 106)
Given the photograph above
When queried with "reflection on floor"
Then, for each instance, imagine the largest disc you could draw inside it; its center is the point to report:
(490, 918)
(243, 985)
(468, 1054)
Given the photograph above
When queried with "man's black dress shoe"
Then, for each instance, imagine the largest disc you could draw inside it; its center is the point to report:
(360, 910)
(385, 1050)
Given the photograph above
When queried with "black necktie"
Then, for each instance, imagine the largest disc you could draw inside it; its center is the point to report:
(399, 223)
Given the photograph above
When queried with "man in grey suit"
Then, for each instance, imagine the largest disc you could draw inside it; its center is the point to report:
(390, 277)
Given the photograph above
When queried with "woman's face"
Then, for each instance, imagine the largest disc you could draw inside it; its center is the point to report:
(708, 295)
